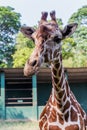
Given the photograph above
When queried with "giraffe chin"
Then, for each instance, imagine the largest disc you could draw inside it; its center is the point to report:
(31, 71)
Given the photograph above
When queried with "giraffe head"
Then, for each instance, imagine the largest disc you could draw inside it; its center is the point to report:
(47, 38)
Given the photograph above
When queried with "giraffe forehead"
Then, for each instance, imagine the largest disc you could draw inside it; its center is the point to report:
(49, 25)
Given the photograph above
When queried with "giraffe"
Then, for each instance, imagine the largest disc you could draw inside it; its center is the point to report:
(62, 111)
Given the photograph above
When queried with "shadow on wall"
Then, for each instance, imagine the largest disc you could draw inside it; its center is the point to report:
(14, 113)
(0, 109)
(80, 91)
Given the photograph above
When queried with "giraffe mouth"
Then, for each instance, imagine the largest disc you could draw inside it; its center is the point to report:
(31, 71)
(31, 68)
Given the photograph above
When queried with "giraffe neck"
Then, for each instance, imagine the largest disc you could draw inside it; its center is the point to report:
(62, 111)
(61, 88)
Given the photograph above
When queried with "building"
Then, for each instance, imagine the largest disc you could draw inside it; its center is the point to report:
(24, 97)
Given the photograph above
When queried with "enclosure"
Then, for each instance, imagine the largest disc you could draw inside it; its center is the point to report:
(24, 97)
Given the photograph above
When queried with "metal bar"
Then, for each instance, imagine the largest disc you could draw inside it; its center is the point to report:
(34, 87)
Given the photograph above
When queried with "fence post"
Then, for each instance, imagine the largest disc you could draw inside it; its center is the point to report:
(34, 86)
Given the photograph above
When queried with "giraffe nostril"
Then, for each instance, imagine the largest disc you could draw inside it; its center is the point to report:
(34, 63)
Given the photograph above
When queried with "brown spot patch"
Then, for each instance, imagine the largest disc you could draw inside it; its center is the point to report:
(57, 65)
(82, 112)
(54, 128)
(53, 116)
(66, 106)
(73, 115)
(57, 88)
(60, 71)
(67, 89)
(60, 94)
(54, 103)
(64, 98)
(72, 127)
(81, 122)
(75, 104)
(61, 81)
(56, 80)
(46, 57)
(66, 116)
(55, 72)
(41, 123)
(61, 119)
(42, 114)
(46, 126)
(59, 105)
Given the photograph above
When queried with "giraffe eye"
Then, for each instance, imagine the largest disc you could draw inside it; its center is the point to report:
(34, 63)
(56, 39)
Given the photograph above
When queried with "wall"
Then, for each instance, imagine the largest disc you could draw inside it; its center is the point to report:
(25, 97)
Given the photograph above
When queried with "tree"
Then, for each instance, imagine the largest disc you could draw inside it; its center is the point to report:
(60, 23)
(80, 16)
(9, 26)
(20, 56)
(22, 41)
(74, 49)
(77, 55)
(24, 48)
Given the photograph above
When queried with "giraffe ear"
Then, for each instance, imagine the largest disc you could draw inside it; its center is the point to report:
(69, 30)
(27, 31)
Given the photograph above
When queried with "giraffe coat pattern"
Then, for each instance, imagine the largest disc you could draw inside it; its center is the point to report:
(62, 111)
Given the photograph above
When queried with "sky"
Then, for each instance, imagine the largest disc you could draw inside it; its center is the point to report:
(30, 10)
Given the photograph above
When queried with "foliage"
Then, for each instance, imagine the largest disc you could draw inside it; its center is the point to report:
(80, 16)
(67, 48)
(75, 47)
(20, 56)
(24, 48)
(5, 55)
(22, 41)
(60, 23)
(9, 26)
